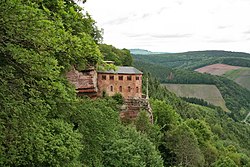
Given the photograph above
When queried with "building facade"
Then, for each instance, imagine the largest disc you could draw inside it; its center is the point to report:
(125, 80)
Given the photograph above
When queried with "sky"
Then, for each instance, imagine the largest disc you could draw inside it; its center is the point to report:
(173, 25)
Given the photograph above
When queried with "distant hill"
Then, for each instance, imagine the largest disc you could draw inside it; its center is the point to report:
(195, 59)
(143, 52)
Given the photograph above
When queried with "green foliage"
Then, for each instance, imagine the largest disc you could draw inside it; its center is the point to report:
(132, 149)
(224, 162)
(143, 125)
(164, 115)
(120, 57)
(201, 130)
(210, 128)
(198, 101)
(37, 45)
(118, 98)
(185, 146)
(97, 121)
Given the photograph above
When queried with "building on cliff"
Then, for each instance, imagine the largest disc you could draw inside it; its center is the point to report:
(125, 80)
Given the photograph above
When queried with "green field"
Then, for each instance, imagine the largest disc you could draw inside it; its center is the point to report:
(241, 76)
(209, 93)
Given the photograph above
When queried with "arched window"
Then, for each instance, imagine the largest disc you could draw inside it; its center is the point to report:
(137, 89)
(120, 88)
(129, 89)
(111, 88)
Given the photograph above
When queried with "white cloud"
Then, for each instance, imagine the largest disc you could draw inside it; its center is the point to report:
(174, 25)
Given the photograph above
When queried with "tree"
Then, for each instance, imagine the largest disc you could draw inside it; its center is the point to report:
(37, 45)
(164, 115)
(131, 149)
(143, 125)
(120, 57)
(224, 162)
(184, 145)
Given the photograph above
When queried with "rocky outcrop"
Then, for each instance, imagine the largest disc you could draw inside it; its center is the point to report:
(133, 106)
(85, 81)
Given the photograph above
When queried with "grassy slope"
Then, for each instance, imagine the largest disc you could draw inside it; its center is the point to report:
(241, 76)
(209, 93)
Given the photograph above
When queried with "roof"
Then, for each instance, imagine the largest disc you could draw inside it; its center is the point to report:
(122, 70)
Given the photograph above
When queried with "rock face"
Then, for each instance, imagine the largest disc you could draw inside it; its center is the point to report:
(133, 106)
(84, 81)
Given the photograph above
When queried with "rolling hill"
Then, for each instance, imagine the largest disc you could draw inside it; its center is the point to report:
(236, 73)
(195, 59)
(178, 68)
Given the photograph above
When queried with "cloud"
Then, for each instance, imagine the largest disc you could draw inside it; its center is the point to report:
(171, 35)
(145, 15)
(224, 26)
(128, 18)
(117, 21)
(160, 36)
(135, 35)
(222, 40)
(247, 32)
(178, 24)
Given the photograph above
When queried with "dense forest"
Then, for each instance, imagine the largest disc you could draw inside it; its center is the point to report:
(44, 123)
(236, 97)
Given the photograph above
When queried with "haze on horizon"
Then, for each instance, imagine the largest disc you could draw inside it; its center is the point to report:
(174, 25)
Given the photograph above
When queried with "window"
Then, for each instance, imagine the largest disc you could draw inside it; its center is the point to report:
(137, 78)
(111, 77)
(120, 88)
(129, 78)
(111, 88)
(137, 89)
(129, 89)
(120, 77)
(103, 77)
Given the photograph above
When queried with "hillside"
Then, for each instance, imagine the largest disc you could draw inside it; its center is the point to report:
(236, 73)
(216, 69)
(209, 93)
(179, 69)
(240, 76)
(195, 59)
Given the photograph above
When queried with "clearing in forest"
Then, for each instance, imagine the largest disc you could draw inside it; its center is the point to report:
(240, 76)
(217, 69)
(209, 93)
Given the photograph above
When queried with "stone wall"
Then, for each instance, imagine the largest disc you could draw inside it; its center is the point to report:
(133, 106)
